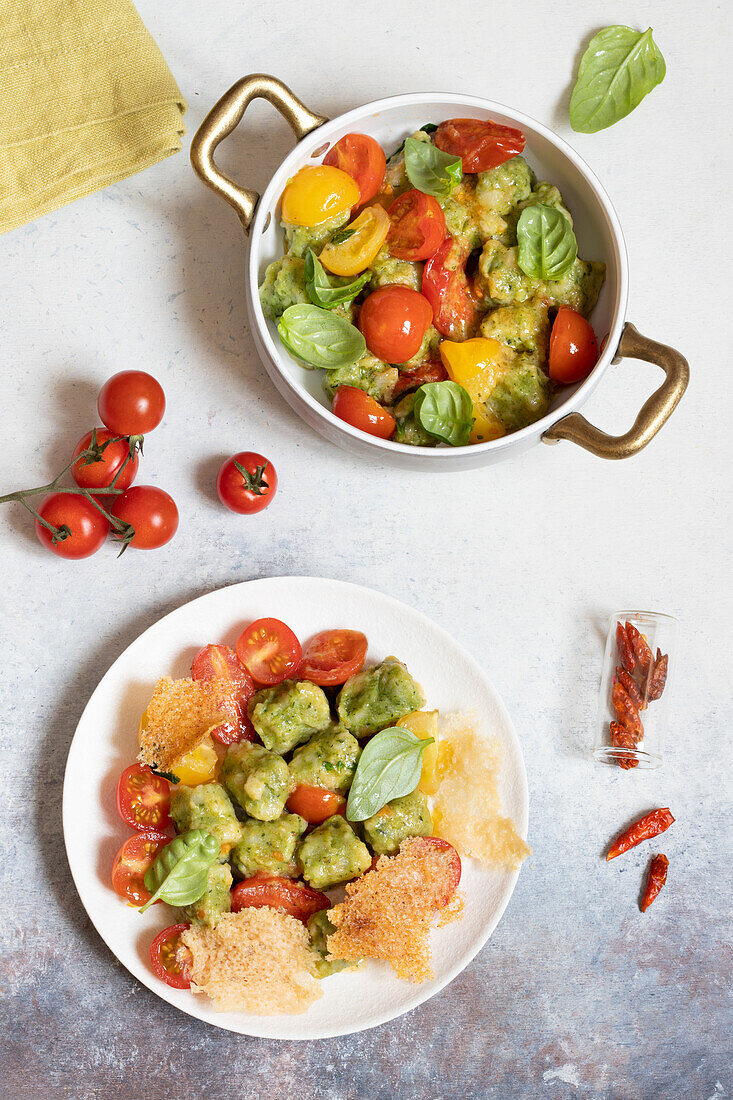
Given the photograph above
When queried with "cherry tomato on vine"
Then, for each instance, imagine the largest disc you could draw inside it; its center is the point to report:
(362, 158)
(446, 287)
(131, 863)
(573, 348)
(294, 898)
(363, 412)
(131, 403)
(88, 526)
(315, 804)
(269, 651)
(393, 321)
(246, 483)
(332, 656)
(170, 958)
(151, 511)
(480, 145)
(101, 474)
(418, 226)
(235, 685)
(144, 799)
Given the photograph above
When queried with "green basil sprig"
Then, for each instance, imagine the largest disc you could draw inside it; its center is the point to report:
(179, 872)
(427, 128)
(431, 170)
(619, 68)
(546, 243)
(388, 768)
(319, 338)
(445, 411)
(327, 290)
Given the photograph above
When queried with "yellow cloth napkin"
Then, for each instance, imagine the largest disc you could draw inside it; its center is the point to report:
(85, 99)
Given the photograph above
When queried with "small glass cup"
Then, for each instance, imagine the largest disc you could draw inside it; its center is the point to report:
(645, 751)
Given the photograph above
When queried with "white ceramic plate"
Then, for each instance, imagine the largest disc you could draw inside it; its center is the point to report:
(105, 742)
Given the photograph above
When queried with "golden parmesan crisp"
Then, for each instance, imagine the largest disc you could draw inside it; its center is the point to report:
(467, 809)
(389, 912)
(257, 961)
(176, 720)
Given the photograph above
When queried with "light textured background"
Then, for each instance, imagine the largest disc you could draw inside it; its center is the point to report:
(577, 994)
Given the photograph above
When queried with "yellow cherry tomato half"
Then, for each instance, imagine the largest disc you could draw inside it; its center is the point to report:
(424, 724)
(317, 193)
(478, 365)
(198, 766)
(367, 234)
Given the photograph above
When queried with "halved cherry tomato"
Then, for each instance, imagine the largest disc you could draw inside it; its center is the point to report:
(235, 686)
(366, 235)
(144, 799)
(315, 804)
(170, 958)
(363, 412)
(332, 656)
(444, 284)
(316, 193)
(432, 370)
(393, 321)
(131, 863)
(362, 158)
(418, 226)
(269, 651)
(480, 145)
(294, 898)
(573, 348)
(101, 474)
(454, 876)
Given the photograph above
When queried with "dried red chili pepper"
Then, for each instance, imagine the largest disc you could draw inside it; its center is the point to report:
(626, 712)
(622, 739)
(656, 880)
(657, 677)
(651, 824)
(625, 649)
(631, 686)
(642, 652)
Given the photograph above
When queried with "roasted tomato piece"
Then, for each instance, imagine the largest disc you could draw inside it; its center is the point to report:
(294, 898)
(332, 656)
(455, 866)
(170, 958)
(315, 804)
(131, 863)
(235, 686)
(143, 799)
(418, 226)
(446, 287)
(363, 412)
(362, 158)
(269, 651)
(573, 348)
(481, 145)
(432, 370)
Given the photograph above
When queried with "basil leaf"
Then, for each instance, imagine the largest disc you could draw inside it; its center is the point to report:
(619, 68)
(445, 411)
(179, 872)
(431, 170)
(327, 290)
(428, 128)
(389, 766)
(319, 338)
(547, 247)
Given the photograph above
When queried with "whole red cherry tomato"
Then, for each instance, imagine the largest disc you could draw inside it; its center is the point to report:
(151, 511)
(246, 483)
(131, 403)
(170, 958)
(446, 287)
(363, 412)
(480, 145)
(573, 348)
(393, 321)
(101, 474)
(88, 526)
(362, 158)
(332, 656)
(418, 226)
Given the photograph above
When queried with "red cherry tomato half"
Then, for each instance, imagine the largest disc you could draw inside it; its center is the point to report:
(131, 863)
(294, 898)
(444, 284)
(250, 491)
(151, 511)
(573, 348)
(363, 412)
(362, 158)
(418, 226)
(480, 145)
(432, 370)
(170, 958)
(454, 874)
(144, 799)
(235, 686)
(101, 474)
(332, 656)
(131, 403)
(393, 321)
(315, 804)
(87, 525)
(269, 651)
